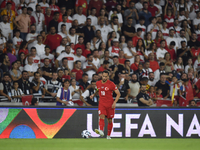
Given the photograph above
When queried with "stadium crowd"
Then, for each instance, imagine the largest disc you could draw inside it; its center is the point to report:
(140, 42)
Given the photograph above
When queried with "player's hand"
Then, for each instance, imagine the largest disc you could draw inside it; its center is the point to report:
(113, 105)
(91, 96)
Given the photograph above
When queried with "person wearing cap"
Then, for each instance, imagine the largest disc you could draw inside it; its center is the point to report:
(141, 25)
(114, 50)
(9, 45)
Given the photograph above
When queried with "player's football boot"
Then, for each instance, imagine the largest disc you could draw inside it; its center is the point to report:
(108, 137)
(100, 132)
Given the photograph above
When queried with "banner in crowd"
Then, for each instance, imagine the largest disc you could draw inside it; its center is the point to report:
(128, 122)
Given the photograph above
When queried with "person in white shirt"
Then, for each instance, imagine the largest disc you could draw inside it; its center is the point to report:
(93, 18)
(176, 28)
(72, 37)
(30, 66)
(68, 24)
(39, 46)
(114, 50)
(129, 52)
(44, 5)
(31, 37)
(5, 27)
(161, 51)
(146, 70)
(141, 25)
(104, 29)
(159, 71)
(196, 21)
(89, 67)
(79, 56)
(152, 81)
(96, 60)
(17, 40)
(36, 59)
(80, 17)
(165, 31)
(32, 4)
(157, 2)
(61, 47)
(139, 5)
(39, 18)
(63, 32)
(119, 15)
(47, 55)
(172, 38)
(153, 27)
(67, 54)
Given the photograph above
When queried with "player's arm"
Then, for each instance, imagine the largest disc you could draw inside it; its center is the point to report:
(116, 98)
(91, 96)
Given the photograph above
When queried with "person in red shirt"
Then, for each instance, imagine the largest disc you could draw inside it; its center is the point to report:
(23, 48)
(78, 70)
(107, 104)
(66, 75)
(48, 17)
(153, 9)
(153, 64)
(121, 57)
(82, 3)
(80, 44)
(3, 4)
(105, 66)
(29, 12)
(134, 66)
(54, 7)
(172, 51)
(111, 4)
(53, 39)
(169, 16)
(137, 37)
(151, 92)
(195, 52)
(159, 37)
(159, 93)
(62, 12)
(87, 49)
(98, 4)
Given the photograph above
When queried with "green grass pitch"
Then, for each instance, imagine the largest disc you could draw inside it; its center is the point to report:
(100, 144)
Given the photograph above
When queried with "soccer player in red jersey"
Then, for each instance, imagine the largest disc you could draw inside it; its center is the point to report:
(106, 103)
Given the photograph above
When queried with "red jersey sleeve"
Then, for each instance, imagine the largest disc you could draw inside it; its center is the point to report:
(113, 87)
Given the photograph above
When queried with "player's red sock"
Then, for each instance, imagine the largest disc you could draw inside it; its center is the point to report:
(101, 124)
(110, 126)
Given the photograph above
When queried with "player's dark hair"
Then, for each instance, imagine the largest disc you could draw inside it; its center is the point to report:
(105, 71)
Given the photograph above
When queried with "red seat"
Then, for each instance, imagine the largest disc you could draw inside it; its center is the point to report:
(26, 100)
(161, 102)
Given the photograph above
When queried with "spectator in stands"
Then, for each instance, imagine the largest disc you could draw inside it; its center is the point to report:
(184, 52)
(67, 54)
(23, 23)
(9, 45)
(30, 67)
(63, 32)
(68, 4)
(193, 41)
(153, 64)
(29, 12)
(5, 64)
(128, 70)
(79, 56)
(196, 21)
(75, 92)
(141, 25)
(106, 57)
(97, 4)
(159, 71)
(88, 31)
(114, 50)
(121, 57)
(128, 30)
(89, 67)
(60, 74)
(67, 20)
(92, 16)
(47, 55)
(11, 57)
(192, 103)
(5, 27)
(31, 37)
(40, 48)
(131, 12)
(137, 37)
(153, 9)
(134, 87)
(139, 5)
(105, 66)
(61, 48)
(172, 38)
(54, 22)
(181, 38)
(84, 82)
(5, 88)
(153, 27)
(169, 65)
(163, 85)
(14, 73)
(152, 80)
(145, 13)
(53, 39)
(143, 99)
(64, 65)
(78, 70)
(86, 96)
(39, 17)
(24, 83)
(161, 51)
(80, 17)
(116, 68)
(80, 44)
(171, 50)
(176, 28)
(16, 92)
(52, 85)
(47, 71)
(104, 29)
(36, 59)
(146, 70)
(72, 36)
(96, 60)
(184, 26)
(37, 85)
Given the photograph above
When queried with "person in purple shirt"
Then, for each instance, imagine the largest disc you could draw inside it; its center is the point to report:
(11, 57)
(111, 4)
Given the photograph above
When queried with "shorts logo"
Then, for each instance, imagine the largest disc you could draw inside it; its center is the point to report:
(106, 88)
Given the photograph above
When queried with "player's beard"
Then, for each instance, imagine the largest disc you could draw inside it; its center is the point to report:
(104, 80)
